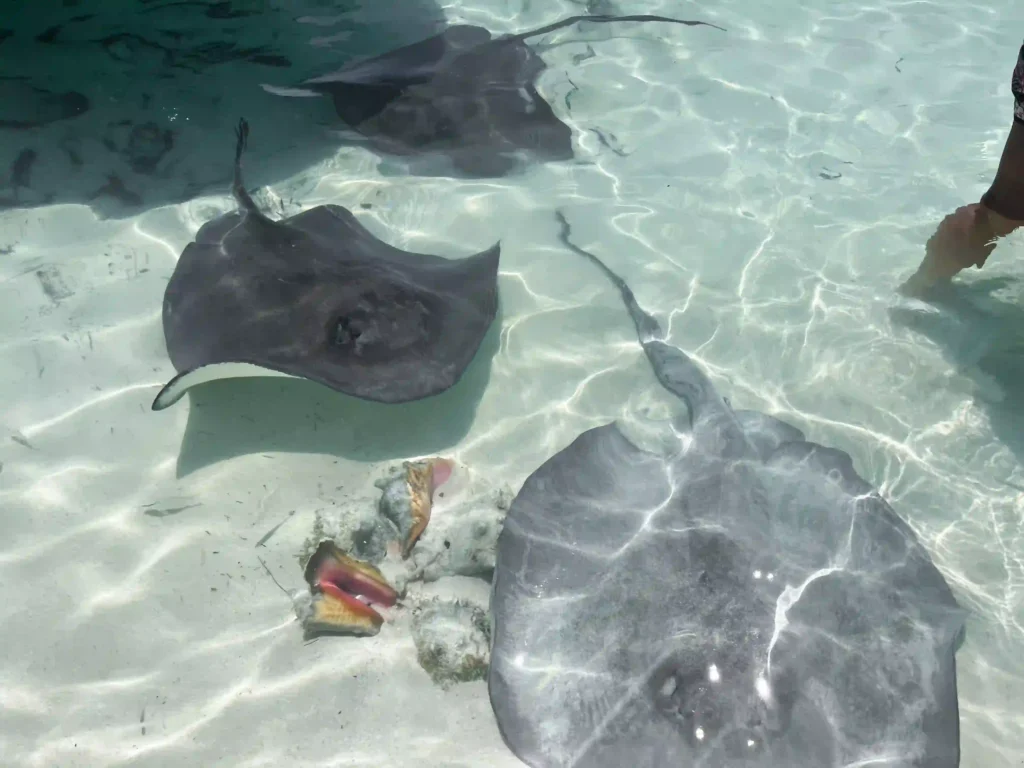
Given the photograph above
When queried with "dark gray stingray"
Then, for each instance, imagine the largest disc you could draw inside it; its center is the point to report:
(748, 600)
(461, 93)
(317, 296)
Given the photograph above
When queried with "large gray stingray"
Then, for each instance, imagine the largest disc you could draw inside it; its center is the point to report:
(461, 93)
(317, 296)
(748, 600)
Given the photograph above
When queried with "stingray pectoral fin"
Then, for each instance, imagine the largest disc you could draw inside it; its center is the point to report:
(277, 90)
(176, 388)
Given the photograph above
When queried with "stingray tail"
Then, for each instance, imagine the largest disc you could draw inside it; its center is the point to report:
(672, 367)
(238, 189)
(604, 19)
(647, 328)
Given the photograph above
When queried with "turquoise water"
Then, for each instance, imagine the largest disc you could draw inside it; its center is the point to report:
(762, 190)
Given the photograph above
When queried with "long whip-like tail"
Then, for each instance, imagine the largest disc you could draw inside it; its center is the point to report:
(605, 19)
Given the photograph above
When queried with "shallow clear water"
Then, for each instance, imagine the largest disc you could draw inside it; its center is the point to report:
(762, 190)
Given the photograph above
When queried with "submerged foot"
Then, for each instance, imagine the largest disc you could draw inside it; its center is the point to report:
(920, 286)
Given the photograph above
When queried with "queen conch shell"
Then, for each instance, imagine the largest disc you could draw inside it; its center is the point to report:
(343, 594)
(409, 496)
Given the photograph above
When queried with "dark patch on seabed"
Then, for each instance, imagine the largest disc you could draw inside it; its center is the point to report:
(115, 189)
(147, 510)
(120, 98)
(24, 105)
(53, 284)
(21, 168)
(607, 144)
(143, 145)
(579, 58)
(20, 174)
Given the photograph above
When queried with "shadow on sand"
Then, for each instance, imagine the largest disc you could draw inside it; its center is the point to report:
(235, 417)
(128, 105)
(982, 334)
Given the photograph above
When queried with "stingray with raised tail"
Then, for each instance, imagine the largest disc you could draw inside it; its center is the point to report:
(317, 296)
(743, 599)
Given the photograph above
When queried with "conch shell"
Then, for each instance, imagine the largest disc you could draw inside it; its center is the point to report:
(409, 496)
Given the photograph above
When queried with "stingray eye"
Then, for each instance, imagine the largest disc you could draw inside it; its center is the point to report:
(344, 332)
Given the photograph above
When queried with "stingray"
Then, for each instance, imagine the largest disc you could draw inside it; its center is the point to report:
(744, 598)
(317, 296)
(462, 93)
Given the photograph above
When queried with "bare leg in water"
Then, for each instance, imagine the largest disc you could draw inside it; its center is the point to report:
(967, 236)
